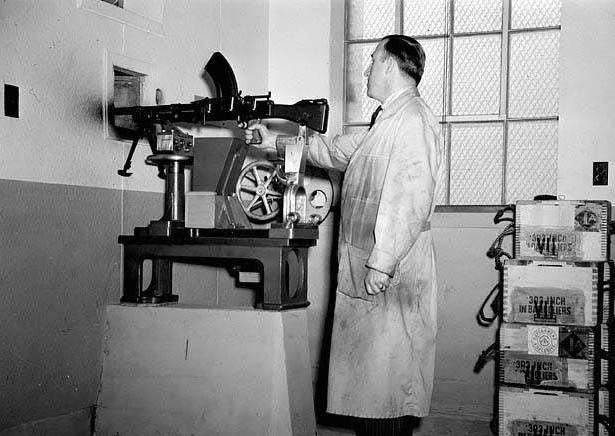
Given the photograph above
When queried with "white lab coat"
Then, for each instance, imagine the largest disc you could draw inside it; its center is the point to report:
(383, 346)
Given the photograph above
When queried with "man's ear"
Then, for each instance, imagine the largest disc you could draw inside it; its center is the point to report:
(390, 64)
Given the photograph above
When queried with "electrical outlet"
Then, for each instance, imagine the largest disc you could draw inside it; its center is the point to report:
(601, 173)
(11, 101)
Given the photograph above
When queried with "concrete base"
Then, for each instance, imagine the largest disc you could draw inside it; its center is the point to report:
(174, 370)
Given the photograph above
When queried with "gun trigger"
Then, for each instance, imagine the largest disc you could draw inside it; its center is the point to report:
(256, 139)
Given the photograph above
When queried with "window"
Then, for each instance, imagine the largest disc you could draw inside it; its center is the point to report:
(492, 77)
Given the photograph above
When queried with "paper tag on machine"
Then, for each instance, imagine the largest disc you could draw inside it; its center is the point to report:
(563, 230)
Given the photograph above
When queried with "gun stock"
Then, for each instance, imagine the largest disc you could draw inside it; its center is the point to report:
(311, 113)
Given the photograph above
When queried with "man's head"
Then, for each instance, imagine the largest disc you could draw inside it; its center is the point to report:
(395, 54)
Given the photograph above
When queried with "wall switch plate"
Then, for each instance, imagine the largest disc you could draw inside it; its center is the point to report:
(600, 175)
(11, 101)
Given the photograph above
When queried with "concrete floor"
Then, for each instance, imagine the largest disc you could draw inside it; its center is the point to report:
(440, 425)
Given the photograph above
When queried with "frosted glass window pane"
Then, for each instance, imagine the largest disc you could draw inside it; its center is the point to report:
(535, 13)
(440, 196)
(531, 165)
(359, 106)
(534, 74)
(476, 163)
(370, 18)
(432, 83)
(477, 15)
(424, 18)
(476, 75)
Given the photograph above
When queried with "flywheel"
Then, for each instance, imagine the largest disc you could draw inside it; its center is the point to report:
(258, 191)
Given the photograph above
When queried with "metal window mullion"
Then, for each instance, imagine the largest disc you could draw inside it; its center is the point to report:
(447, 196)
(505, 43)
(535, 29)
(448, 92)
(448, 37)
(345, 72)
(504, 79)
(399, 18)
(344, 82)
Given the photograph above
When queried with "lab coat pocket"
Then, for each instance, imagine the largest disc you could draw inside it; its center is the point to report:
(352, 272)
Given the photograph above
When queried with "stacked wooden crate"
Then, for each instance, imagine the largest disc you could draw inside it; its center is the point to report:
(554, 347)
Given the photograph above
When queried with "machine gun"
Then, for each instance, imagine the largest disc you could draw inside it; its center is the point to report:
(220, 218)
(261, 189)
(229, 105)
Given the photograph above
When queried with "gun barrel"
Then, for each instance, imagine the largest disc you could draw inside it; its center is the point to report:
(311, 113)
(181, 112)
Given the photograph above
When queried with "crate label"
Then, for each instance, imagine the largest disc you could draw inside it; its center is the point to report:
(588, 217)
(574, 344)
(551, 243)
(536, 371)
(543, 340)
(548, 305)
(541, 428)
(564, 231)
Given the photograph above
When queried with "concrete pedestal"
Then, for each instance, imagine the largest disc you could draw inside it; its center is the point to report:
(176, 370)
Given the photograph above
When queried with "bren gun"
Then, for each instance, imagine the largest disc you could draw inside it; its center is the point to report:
(279, 253)
(229, 105)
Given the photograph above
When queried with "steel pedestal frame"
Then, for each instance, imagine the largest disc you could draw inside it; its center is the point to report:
(283, 261)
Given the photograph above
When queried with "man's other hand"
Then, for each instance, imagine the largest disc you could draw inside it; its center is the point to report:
(266, 140)
(376, 281)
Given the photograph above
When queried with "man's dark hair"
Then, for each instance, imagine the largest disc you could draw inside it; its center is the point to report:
(408, 53)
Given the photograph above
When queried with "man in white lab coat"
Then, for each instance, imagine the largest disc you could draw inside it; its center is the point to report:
(384, 329)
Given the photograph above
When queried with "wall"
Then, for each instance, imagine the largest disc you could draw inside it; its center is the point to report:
(586, 96)
(62, 204)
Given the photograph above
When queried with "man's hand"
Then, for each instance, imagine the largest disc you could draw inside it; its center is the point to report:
(267, 138)
(376, 281)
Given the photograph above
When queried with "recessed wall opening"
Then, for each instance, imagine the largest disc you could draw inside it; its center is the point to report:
(118, 3)
(127, 91)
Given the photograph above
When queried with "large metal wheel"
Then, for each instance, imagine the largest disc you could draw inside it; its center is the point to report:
(258, 191)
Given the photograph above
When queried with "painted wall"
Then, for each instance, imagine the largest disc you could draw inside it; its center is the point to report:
(586, 98)
(62, 204)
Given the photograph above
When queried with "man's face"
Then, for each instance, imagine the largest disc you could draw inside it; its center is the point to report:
(376, 73)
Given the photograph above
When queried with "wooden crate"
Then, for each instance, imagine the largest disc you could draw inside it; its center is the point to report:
(532, 412)
(562, 230)
(557, 292)
(545, 356)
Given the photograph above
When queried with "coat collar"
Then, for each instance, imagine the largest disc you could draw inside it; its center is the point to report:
(398, 98)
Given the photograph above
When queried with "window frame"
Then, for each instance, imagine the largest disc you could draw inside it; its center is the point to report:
(447, 119)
